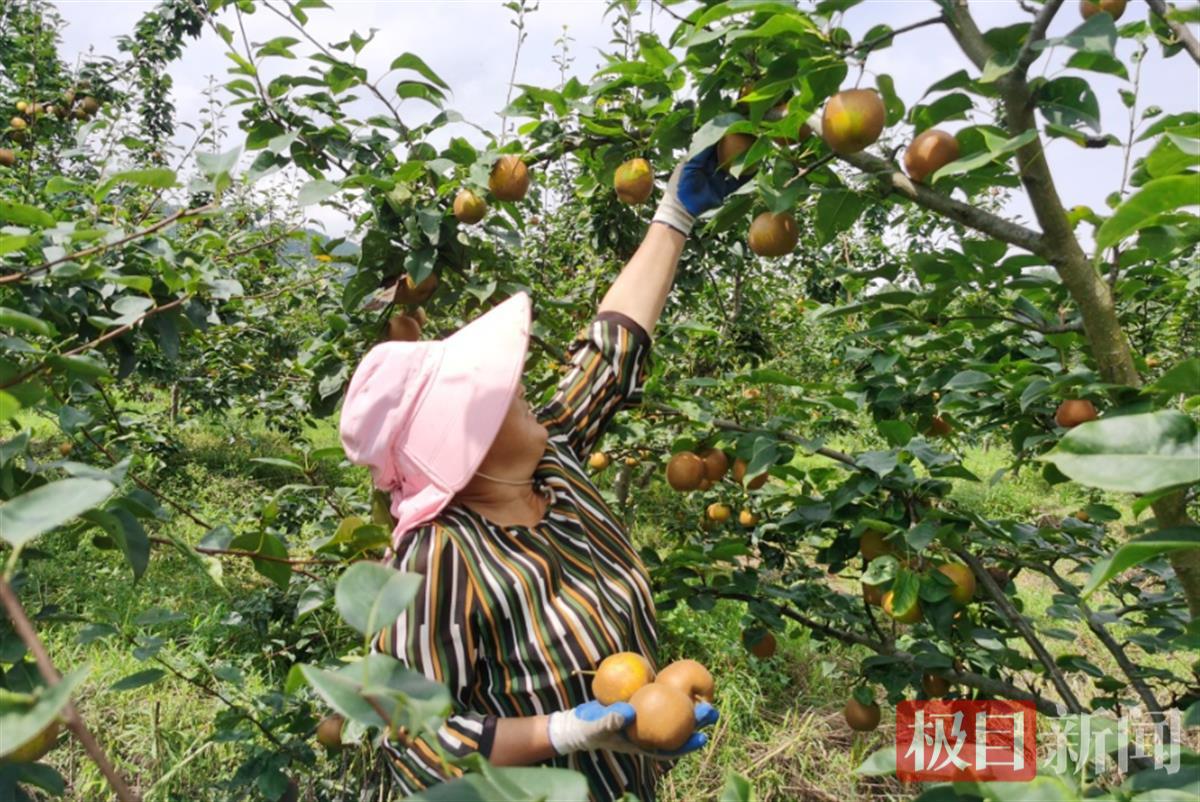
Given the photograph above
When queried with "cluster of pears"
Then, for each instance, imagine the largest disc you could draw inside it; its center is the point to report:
(406, 326)
(508, 181)
(872, 544)
(664, 702)
(688, 471)
(30, 111)
(851, 121)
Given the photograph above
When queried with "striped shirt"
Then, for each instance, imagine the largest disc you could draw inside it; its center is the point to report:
(509, 616)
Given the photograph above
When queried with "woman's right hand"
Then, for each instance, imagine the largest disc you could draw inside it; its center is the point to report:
(592, 726)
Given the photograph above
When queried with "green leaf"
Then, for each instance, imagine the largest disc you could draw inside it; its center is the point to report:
(138, 680)
(378, 691)
(1139, 550)
(316, 191)
(154, 177)
(268, 545)
(84, 367)
(1098, 62)
(880, 763)
(9, 407)
(1069, 100)
(1183, 379)
(19, 321)
(280, 463)
(217, 164)
(837, 211)
(23, 718)
(1140, 210)
(23, 215)
(892, 104)
(737, 789)
(371, 596)
(31, 514)
(15, 242)
(996, 149)
(408, 61)
(997, 66)
(1131, 453)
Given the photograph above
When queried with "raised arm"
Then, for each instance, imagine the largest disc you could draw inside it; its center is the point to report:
(640, 291)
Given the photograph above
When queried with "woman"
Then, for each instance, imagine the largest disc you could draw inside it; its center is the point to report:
(530, 580)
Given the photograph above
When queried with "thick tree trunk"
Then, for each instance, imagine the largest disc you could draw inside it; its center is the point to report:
(1094, 297)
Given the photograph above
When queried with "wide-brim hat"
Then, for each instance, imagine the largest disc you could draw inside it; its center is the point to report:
(423, 415)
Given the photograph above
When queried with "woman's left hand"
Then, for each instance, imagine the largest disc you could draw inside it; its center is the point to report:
(605, 726)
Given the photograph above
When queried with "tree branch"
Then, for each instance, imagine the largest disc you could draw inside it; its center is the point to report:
(25, 630)
(1127, 666)
(989, 685)
(967, 34)
(1022, 626)
(968, 215)
(871, 44)
(1180, 29)
(86, 252)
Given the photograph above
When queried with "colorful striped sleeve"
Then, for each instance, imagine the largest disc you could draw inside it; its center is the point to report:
(436, 636)
(608, 367)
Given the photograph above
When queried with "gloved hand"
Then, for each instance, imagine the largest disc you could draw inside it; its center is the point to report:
(696, 186)
(592, 726)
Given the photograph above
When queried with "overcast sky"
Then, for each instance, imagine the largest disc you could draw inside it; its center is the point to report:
(470, 44)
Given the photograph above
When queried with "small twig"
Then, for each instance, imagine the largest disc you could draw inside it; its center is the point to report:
(871, 44)
(25, 630)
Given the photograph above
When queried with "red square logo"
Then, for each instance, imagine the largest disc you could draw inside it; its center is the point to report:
(961, 741)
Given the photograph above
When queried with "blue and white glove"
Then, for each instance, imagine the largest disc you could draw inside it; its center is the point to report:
(696, 186)
(593, 726)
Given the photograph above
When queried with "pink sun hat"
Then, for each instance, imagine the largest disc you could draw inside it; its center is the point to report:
(422, 415)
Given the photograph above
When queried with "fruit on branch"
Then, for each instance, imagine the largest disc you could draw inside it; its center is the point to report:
(719, 513)
(934, 686)
(1074, 411)
(22, 106)
(1082, 515)
(715, 464)
(18, 123)
(872, 594)
(619, 676)
(860, 717)
(872, 545)
(409, 292)
(929, 152)
(763, 648)
(773, 234)
(509, 180)
(705, 484)
(79, 114)
(1115, 8)
(685, 471)
(598, 461)
(689, 677)
(747, 519)
(90, 106)
(852, 120)
(963, 579)
(36, 747)
(665, 717)
(632, 462)
(329, 731)
(939, 427)
(912, 616)
(469, 208)
(8, 157)
(65, 448)
(403, 328)
(739, 475)
(731, 148)
(634, 181)
(751, 393)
